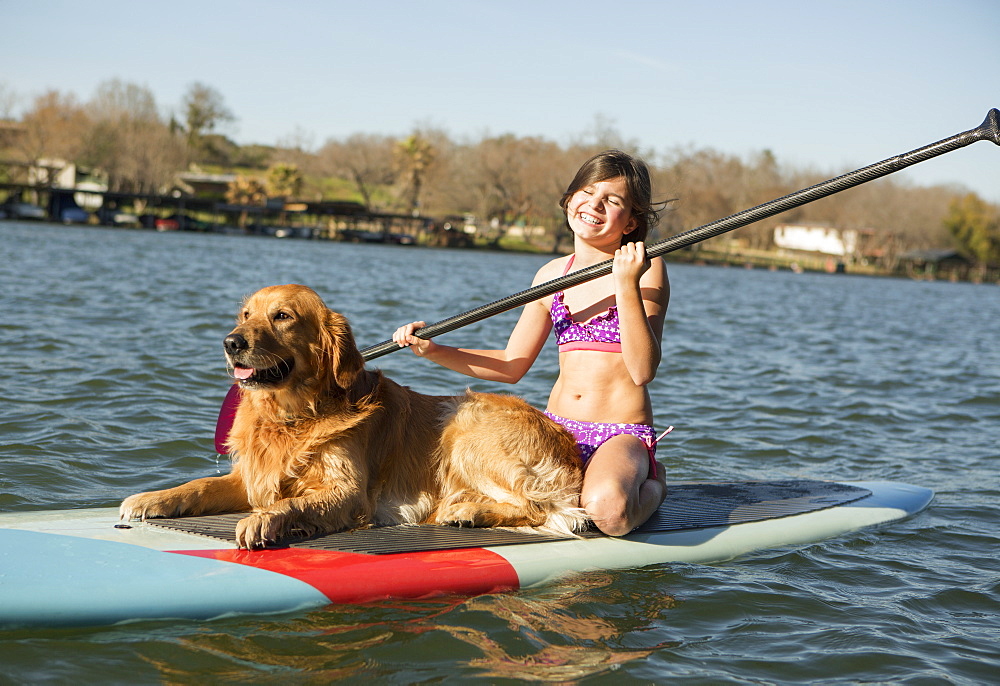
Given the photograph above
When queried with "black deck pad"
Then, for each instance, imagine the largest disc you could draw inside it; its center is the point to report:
(688, 505)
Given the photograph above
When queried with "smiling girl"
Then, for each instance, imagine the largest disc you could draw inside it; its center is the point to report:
(608, 332)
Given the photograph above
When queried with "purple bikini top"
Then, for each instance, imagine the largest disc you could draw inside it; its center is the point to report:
(599, 333)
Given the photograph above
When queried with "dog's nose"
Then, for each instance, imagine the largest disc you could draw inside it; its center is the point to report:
(234, 343)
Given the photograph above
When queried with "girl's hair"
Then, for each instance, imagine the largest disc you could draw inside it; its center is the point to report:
(612, 164)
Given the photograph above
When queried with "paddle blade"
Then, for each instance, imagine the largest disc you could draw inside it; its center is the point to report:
(226, 415)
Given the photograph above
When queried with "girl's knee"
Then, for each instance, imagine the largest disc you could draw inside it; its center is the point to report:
(615, 486)
(615, 513)
(609, 512)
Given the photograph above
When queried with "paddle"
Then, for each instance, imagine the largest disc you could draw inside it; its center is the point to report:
(988, 130)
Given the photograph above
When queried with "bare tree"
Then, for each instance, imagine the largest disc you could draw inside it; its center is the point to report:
(366, 160)
(706, 183)
(510, 180)
(54, 127)
(8, 98)
(507, 178)
(129, 141)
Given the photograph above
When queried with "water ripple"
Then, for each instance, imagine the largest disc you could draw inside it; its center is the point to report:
(114, 374)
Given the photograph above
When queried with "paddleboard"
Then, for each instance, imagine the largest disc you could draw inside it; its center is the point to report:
(84, 567)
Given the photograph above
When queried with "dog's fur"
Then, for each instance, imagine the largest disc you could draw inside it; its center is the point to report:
(322, 444)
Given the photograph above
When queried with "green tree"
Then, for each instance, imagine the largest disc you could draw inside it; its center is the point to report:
(975, 226)
(204, 110)
(246, 191)
(284, 180)
(414, 155)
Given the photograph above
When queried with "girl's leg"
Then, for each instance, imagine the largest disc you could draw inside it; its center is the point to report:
(619, 493)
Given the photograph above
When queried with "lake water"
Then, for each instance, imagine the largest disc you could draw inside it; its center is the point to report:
(113, 374)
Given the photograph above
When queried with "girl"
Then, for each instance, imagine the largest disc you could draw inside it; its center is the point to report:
(608, 330)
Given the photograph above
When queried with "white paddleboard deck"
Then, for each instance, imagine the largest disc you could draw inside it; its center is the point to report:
(84, 567)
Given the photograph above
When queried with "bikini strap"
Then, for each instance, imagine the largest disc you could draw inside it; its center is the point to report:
(569, 264)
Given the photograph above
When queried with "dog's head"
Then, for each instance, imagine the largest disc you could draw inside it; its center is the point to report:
(287, 339)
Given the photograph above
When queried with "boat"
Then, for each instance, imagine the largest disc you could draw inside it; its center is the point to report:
(85, 567)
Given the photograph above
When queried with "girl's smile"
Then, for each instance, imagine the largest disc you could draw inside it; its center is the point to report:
(603, 207)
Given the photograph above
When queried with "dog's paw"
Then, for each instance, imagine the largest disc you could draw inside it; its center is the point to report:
(461, 514)
(149, 506)
(259, 530)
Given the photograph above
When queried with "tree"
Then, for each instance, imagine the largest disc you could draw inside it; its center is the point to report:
(366, 160)
(54, 127)
(507, 180)
(204, 110)
(284, 180)
(129, 141)
(415, 155)
(976, 228)
(7, 100)
(246, 191)
(708, 185)
(10, 131)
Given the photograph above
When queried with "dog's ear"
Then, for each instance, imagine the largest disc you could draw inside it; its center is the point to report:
(340, 353)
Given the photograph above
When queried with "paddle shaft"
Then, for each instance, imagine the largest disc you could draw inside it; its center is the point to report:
(988, 130)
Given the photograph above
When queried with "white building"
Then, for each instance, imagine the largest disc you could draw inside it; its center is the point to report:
(52, 171)
(813, 238)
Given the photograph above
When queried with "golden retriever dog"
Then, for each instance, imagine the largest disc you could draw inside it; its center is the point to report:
(323, 444)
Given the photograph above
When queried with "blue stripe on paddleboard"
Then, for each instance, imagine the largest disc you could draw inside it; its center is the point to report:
(51, 579)
(893, 494)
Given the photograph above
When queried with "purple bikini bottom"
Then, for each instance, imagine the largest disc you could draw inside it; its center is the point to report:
(591, 435)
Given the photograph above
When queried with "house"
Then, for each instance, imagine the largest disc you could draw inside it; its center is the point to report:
(931, 264)
(816, 238)
(202, 184)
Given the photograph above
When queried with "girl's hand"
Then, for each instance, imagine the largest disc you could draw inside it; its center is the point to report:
(630, 263)
(403, 336)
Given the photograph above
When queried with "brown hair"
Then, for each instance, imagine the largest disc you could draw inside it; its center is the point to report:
(612, 164)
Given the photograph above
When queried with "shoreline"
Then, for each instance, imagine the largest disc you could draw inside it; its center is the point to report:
(698, 255)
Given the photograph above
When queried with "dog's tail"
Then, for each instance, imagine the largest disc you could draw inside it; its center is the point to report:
(558, 506)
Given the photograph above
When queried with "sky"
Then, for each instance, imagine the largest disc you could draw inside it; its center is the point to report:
(826, 86)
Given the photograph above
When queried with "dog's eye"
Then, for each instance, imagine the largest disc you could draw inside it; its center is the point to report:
(282, 315)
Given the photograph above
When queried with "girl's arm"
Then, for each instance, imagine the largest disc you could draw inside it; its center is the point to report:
(507, 365)
(642, 293)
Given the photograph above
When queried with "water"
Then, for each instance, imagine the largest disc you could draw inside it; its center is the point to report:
(113, 374)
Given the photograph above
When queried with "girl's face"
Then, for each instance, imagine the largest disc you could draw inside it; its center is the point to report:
(600, 212)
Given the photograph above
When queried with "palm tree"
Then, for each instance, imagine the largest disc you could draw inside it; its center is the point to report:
(284, 180)
(414, 155)
(246, 191)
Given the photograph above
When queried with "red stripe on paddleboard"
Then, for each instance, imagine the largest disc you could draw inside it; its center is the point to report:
(358, 578)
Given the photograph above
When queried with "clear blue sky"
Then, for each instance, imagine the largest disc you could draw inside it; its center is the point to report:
(829, 86)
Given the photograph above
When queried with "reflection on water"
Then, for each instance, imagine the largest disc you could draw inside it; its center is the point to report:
(559, 642)
(550, 635)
